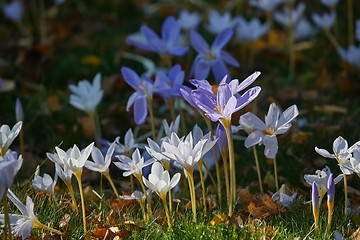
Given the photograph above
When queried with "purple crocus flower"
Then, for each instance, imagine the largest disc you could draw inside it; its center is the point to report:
(331, 191)
(212, 57)
(223, 101)
(144, 89)
(167, 44)
(167, 85)
(13, 10)
(315, 203)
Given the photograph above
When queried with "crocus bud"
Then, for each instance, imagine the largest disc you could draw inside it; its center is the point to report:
(315, 204)
(331, 191)
(19, 111)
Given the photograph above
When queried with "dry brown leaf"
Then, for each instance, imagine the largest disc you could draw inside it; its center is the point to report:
(244, 194)
(86, 126)
(262, 206)
(219, 218)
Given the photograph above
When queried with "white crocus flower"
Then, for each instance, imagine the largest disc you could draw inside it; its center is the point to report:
(74, 159)
(159, 180)
(321, 178)
(284, 196)
(198, 136)
(185, 151)
(173, 127)
(86, 96)
(303, 29)
(351, 55)
(355, 161)
(99, 163)
(265, 133)
(219, 22)
(342, 153)
(44, 184)
(8, 135)
(136, 195)
(157, 152)
(132, 166)
(129, 143)
(22, 225)
(250, 31)
(324, 21)
(10, 164)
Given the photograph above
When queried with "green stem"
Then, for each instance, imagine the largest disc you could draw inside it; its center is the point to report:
(346, 196)
(151, 113)
(350, 22)
(276, 175)
(148, 206)
(190, 178)
(22, 149)
(332, 39)
(291, 53)
(72, 195)
(167, 167)
(132, 183)
(182, 119)
(78, 178)
(42, 21)
(163, 198)
(258, 169)
(225, 159)
(227, 125)
(330, 212)
(199, 164)
(170, 104)
(217, 168)
(6, 216)
(96, 121)
(107, 176)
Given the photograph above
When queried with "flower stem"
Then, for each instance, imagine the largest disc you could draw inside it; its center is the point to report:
(330, 205)
(167, 167)
(22, 146)
(151, 113)
(346, 196)
(182, 119)
(276, 174)
(258, 168)
(217, 168)
(170, 104)
(6, 216)
(148, 206)
(107, 176)
(350, 21)
(227, 125)
(96, 121)
(72, 195)
(225, 159)
(163, 198)
(38, 224)
(199, 164)
(78, 178)
(192, 193)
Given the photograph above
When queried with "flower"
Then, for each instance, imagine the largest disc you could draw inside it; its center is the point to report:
(357, 31)
(129, 143)
(290, 17)
(315, 201)
(184, 151)
(10, 164)
(324, 21)
(167, 85)
(321, 179)
(19, 111)
(329, 3)
(331, 190)
(351, 55)
(13, 11)
(73, 159)
(266, 5)
(159, 180)
(265, 133)
(86, 96)
(355, 161)
(174, 126)
(21, 225)
(303, 29)
(144, 89)
(188, 20)
(223, 102)
(44, 184)
(342, 153)
(218, 23)
(133, 165)
(99, 163)
(284, 196)
(136, 195)
(250, 31)
(167, 44)
(212, 57)
(7, 136)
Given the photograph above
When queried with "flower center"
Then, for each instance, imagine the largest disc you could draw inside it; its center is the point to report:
(268, 131)
(210, 56)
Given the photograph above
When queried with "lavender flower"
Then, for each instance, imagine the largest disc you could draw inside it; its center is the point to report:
(188, 21)
(212, 57)
(351, 55)
(167, 85)
(10, 164)
(250, 31)
(290, 17)
(19, 111)
(329, 3)
(167, 44)
(324, 21)
(357, 31)
(7, 136)
(44, 184)
(218, 23)
(13, 11)
(315, 203)
(144, 89)
(266, 5)
(129, 143)
(303, 29)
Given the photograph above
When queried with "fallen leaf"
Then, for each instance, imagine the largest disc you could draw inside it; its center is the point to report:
(262, 206)
(219, 218)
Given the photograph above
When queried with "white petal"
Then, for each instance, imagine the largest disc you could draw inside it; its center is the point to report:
(253, 139)
(324, 153)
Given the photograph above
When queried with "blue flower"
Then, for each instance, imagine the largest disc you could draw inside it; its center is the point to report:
(212, 57)
(167, 85)
(144, 89)
(252, 30)
(218, 22)
(167, 44)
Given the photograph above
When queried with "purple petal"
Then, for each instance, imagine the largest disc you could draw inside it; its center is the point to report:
(247, 97)
(134, 97)
(170, 30)
(223, 95)
(222, 39)
(131, 77)
(186, 94)
(178, 51)
(149, 33)
(140, 110)
(201, 69)
(249, 80)
(229, 59)
(198, 42)
(219, 69)
(250, 121)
